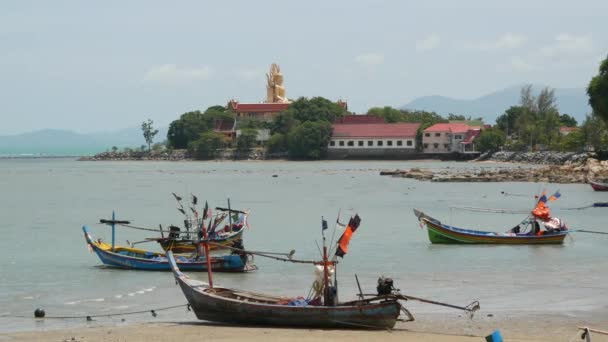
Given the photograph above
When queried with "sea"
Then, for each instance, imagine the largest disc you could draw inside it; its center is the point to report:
(45, 263)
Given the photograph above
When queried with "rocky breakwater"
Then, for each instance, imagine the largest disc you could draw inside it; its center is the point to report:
(173, 155)
(571, 172)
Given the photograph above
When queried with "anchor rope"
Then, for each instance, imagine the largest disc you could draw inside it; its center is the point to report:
(89, 317)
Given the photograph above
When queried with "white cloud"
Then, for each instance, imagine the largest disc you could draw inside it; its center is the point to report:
(251, 74)
(510, 41)
(429, 43)
(171, 72)
(566, 45)
(520, 64)
(507, 41)
(370, 59)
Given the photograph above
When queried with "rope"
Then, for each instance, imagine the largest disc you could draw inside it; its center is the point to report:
(509, 194)
(491, 210)
(266, 255)
(589, 231)
(89, 317)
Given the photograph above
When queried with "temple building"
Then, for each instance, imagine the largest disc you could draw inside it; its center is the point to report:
(275, 102)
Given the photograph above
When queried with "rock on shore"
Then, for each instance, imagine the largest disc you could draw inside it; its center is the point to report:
(174, 155)
(541, 157)
(571, 172)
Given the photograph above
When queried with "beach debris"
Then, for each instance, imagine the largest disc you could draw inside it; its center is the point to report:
(495, 336)
(39, 313)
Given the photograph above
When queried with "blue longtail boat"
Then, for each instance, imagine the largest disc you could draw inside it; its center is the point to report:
(139, 259)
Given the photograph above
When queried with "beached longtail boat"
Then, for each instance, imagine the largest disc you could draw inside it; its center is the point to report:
(599, 186)
(138, 259)
(220, 304)
(440, 233)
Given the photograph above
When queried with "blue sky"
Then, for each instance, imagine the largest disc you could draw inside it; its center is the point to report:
(95, 66)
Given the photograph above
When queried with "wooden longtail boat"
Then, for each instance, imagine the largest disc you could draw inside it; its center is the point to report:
(444, 234)
(224, 231)
(379, 311)
(221, 241)
(598, 186)
(138, 259)
(220, 304)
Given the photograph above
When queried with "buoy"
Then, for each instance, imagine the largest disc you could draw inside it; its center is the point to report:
(275, 175)
(39, 313)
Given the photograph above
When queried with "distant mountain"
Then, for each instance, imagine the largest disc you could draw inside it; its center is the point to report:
(67, 143)
(572, 101)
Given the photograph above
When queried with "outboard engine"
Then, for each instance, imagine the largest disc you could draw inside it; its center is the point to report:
(173, 232)
(385, 286)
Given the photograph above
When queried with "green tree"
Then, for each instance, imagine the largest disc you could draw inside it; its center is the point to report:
(598, 92)
(149, 132)
(315, 109)
(206, 146)
(507, 122)
(595, 132)
(309, 140)
(284, 122)
(567, 120)
(490, 140)
(277, 143)
(187, 129)
(455, 117)
(246, 140)
(389, 114)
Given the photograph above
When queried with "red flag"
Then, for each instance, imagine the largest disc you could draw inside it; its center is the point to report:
(352, 226)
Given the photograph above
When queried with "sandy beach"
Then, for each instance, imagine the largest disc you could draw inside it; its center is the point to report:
(440, 329)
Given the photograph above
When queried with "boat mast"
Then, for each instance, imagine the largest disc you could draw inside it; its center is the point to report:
(207, 256)
(325, 271)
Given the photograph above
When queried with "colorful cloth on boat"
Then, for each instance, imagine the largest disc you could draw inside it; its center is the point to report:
(352, 226)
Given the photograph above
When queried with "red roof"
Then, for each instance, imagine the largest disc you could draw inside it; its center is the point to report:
(224, 125)
(257, 107)
(392, 130)
(568, 129)
(450, 127)
(470, 136)
(359, 119)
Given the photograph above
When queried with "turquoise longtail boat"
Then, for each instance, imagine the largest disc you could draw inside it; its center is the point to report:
(138, 259)
(440, 233)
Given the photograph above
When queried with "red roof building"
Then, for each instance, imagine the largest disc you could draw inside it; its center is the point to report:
(567, 130)
(360, 119)
(256, 110)
(226, 127)
(265, 111)
(374, 136)
(449, 138)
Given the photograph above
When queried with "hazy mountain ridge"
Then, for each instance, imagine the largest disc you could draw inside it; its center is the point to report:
(572, 101)
(55, 142)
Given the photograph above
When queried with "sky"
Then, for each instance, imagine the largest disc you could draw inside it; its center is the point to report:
(105, 65)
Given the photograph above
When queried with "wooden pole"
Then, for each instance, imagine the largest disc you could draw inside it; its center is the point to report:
(113, 229)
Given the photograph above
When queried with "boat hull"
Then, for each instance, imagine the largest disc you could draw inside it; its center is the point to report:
(443, 234)
(208, 304)
(123, 258)
(599, 186)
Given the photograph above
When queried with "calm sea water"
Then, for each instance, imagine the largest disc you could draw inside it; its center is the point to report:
(45, 262)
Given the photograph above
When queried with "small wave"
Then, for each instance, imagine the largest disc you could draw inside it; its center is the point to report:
(118, 296)
(28, 297)
(85, 301)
